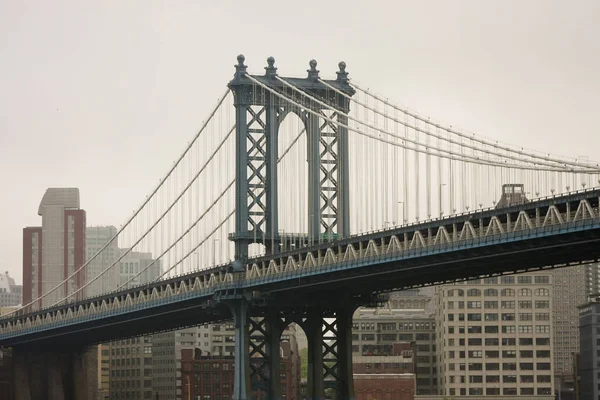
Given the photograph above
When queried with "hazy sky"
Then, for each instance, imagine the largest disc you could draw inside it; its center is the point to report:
(104, 95)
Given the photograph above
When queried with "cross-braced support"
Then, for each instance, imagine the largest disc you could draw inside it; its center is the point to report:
(265, 333)
(259, 113)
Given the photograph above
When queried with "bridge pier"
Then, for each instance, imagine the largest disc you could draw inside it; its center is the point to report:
(241, 370)
(55, 374)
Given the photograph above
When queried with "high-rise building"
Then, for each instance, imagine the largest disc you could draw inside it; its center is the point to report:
(571, 287)
(589, 359)
(10, 293)
(494, 337)
(131, 359)
(104, 372)
(97, 237)
(54, 251)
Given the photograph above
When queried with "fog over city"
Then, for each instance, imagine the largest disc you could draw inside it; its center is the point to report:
(105, 96)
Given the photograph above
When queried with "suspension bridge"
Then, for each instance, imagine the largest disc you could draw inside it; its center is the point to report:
(301, 199)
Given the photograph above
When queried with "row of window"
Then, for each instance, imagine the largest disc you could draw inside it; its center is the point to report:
(496, 354)
(391, 326)
(496, 391)
(524, 366)
(510, 279)
(503, 292)
(496, 379)
(494, 304)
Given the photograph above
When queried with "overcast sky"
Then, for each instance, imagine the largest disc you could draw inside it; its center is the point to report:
(104, 95)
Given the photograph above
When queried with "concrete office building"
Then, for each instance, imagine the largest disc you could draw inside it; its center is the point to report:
(10, 293)
(377, 333)
(494, 337)
(589, 361)
(96, 238)
(571, 288)
(131, 360)
(214, 340)
(55, 250)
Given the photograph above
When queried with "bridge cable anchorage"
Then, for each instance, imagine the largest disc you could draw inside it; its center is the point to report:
(448, 154)
(490, 143)
(137, 213)
(543, 161)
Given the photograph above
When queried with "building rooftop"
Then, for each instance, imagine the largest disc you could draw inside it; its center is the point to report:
(66, 197)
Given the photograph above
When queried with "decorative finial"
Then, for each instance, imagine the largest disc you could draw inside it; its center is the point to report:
(313, 73)
(240, 68)
(270, 69)
(342, 75)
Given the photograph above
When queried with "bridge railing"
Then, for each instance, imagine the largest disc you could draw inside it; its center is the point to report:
(448, 234)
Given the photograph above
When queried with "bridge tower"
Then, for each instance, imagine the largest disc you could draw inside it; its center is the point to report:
(259, 114)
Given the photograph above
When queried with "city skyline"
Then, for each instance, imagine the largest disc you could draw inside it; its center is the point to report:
(117, 83)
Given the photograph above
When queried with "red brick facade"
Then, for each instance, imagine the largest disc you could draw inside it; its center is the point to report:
(384, 386)
(213, 375)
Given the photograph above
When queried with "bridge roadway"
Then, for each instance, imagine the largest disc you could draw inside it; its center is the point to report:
(547, 233)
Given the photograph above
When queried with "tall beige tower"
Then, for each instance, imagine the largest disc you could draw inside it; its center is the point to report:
(494, 337)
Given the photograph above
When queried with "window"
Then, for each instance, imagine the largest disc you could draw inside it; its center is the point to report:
(509, 329)
(491, 329)
(542, 341)
(521, 279)
(542, 316)
(473, 292)
(544, 378)
(508, 304)
(526, 354)
(490, 317)
(492, 367)
(475, 354)
(509, 367)
(491, 304)
(509, 354)
(525, 341)
(509, 379)
(490, 292)
(525, 304)
(525, 292)
(473, 329)
(474, 342)
(526, 366)
(474, 317)
(525, 317)
(542, 328)
(525, 329)
(509, 342)
(508, 279)
(542, 304)
(492, 354)
(542, 279)
(543, 366)
(542, 354)
(508, 316)
(493, 391)
(542, 292)
(474, 304)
